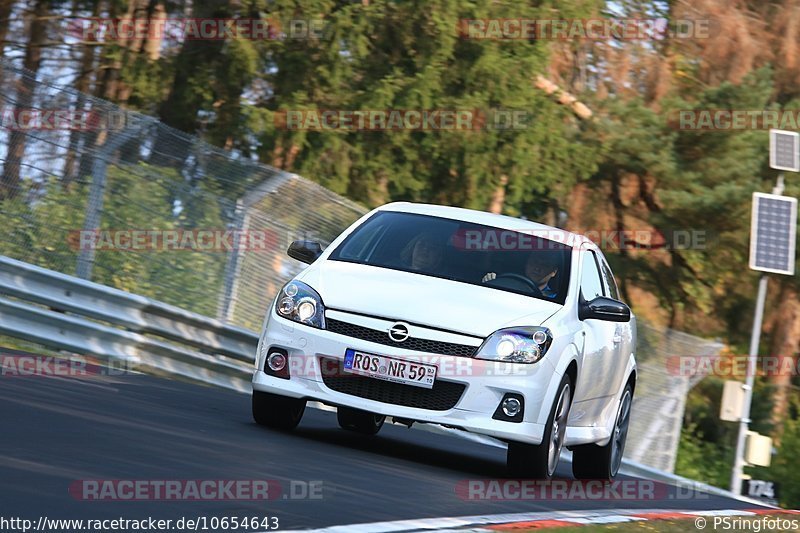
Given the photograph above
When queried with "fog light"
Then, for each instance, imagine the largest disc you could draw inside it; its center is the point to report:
(511, 407)
(276, 361)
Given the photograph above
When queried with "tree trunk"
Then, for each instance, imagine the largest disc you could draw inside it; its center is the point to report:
(180, 108)
(499, 196)
(82, 84)
(785, 342)
(9, 184)
(6, 7)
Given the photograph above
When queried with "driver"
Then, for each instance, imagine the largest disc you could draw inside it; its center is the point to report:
(540, 268)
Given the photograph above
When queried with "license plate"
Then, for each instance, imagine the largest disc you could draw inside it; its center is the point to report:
(389, 369)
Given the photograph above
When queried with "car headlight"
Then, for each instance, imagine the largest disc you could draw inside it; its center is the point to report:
(516, 345)
(299, 302)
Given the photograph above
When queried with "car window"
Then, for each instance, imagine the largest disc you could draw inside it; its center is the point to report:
(363, 243)
(591, 286)
(461, 251)
(609, 281)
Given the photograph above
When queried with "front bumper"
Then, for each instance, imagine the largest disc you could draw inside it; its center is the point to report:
(485, 382)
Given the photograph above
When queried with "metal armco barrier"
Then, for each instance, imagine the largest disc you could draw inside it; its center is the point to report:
(67, 313)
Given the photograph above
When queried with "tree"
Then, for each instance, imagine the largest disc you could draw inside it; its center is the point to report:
(37, 34)
(408, 56)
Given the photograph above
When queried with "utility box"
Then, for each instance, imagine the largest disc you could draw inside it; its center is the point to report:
(757, 449)
(732, 403)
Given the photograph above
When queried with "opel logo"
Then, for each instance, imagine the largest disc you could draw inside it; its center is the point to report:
(398, 332)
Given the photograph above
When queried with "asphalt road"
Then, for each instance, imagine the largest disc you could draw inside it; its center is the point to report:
(56, 431)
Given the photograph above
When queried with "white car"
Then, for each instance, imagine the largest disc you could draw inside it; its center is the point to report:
(486, 323)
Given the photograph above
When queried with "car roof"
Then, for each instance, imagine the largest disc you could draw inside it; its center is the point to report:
(490, 219)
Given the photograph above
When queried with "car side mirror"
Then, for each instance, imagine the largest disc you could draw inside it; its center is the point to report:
(603, 308)
(305, 251)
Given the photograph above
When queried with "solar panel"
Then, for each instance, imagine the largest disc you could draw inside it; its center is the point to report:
(772, 233)
(784, 150)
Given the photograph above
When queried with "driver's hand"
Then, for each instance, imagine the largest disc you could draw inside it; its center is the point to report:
(488, 277)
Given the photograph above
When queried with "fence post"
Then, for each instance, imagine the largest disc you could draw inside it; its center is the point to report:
(230, 279)
(94, 208)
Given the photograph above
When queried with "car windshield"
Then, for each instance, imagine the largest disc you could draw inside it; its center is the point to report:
(500, 259)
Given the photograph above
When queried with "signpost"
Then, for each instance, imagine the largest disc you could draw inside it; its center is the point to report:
(762, 490)
(772, 248)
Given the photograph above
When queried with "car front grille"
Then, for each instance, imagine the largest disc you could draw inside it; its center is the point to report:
(443, 396)
(412, 343)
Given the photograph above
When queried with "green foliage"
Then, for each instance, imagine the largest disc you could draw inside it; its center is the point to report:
(142, 198)
(707, 444)
(703, 460)
(45, 232)
(408, 56)
(784, 468)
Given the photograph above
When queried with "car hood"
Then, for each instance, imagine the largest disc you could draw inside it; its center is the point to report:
(424, 300)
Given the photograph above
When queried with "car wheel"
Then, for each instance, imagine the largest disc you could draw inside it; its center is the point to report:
(275, 411)
(591, 461)
(540, 461)
(359, 421)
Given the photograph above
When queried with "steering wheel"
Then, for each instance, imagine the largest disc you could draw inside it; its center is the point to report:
(522, 279)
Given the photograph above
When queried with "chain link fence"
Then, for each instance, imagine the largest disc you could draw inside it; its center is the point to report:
(661, 390)
(92, 190)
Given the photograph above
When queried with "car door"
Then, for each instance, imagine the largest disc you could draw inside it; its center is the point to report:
(623, 331)
(598, 369)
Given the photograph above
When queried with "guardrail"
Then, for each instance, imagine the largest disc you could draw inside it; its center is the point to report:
(68, 313)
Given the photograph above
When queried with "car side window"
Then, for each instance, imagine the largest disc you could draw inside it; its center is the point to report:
(591, 285)
(608, 278)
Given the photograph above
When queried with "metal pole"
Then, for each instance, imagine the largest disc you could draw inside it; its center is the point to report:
(755, 339)
(738, 467)
(230, 285)
(94, 207)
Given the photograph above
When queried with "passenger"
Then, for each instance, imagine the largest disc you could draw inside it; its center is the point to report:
(424, 253)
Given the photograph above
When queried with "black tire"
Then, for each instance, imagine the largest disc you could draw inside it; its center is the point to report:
(539, 461)
(275, 411)
(359, 421)
(591, 461)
